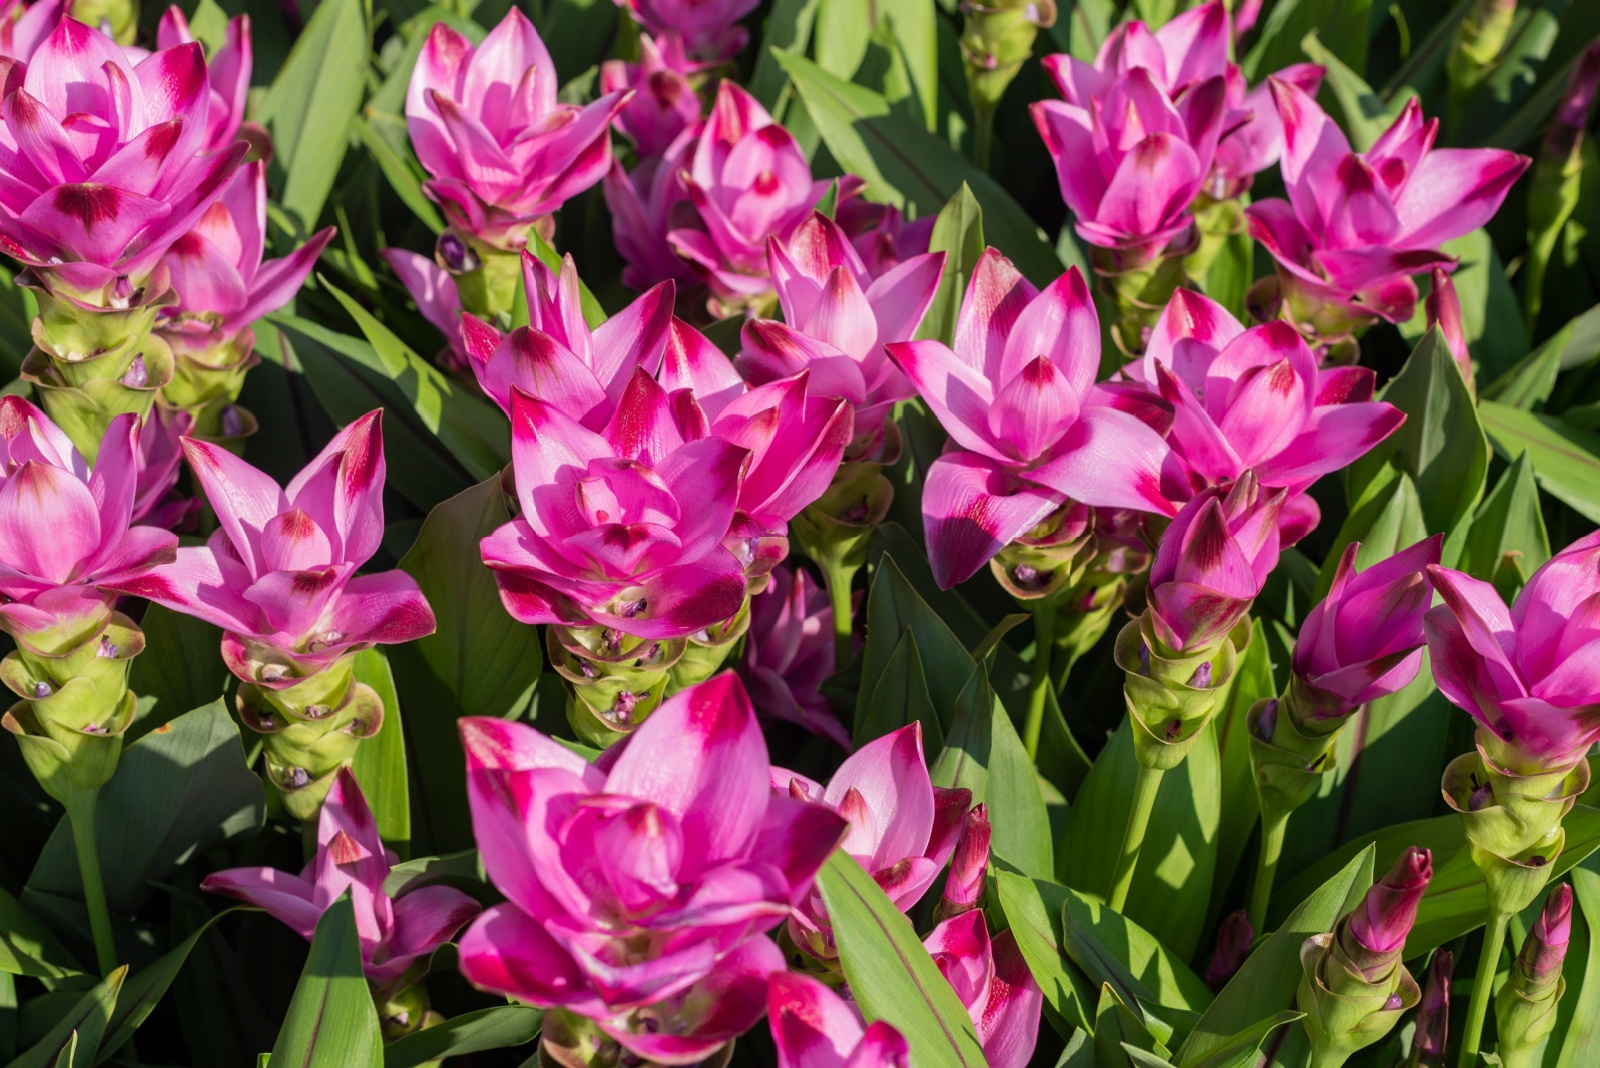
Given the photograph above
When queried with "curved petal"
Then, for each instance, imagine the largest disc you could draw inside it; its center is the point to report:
(971, 509)
(1109, 459)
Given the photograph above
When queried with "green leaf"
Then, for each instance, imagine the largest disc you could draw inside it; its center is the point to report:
(408, 875)
(901, 698)
(894, 608)
(486, 659)
(475, 431)
(890, 972)
(501, 1027)
(1491, 312)
(983, 753)
(1033, 911)
(788, 29)
(1172, 884)
(179, 668)
(1239, 1051)
(1266, 983)
(844, 32)
(332, 1022)
(906, 165)
(380, 761)
(144, 991)
(1366, 116)
(1566, 460)
(27, 947)
(1531, 380)
(181, 789)
(1441, 445)
(1386, 517)
(312, 103)
(1341, 24)
(958, 233)
(1507, 542)
(384, 136)
(79, 1030)
(1240, 811)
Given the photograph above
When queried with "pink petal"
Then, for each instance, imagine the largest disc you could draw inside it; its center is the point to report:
(1109, 459)
(971, 509)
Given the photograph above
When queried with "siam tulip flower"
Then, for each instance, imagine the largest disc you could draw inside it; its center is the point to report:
(1523, 674)
(278, 576)
(992, 980)
(486, 125)
(969, 867)
(1356, 226)
(438, 300)
(647, 205)
(93, 218)
(1257, 143)
(815, 1028)
(1433, 1014)
(837, 320)
(24, 26)
(664, 103)
(1443, 309)
(747, 181)
(227, 71)
(557, 357)
(1028, 426)
(1234, 936)
(638, 894)
(351, 858)
(1255, 399)
(789, 654)
(709, 29)
(1525, 1008)
(156, 500)
(1353, 987)
(222, 288)
(621, 529)
(902, 827)
(68, 541)
(880, 234)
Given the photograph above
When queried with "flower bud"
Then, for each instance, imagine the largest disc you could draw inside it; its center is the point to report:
(997, 40)
(1443, 309)
(1378, 927)
(1479, 40)
(1233, 945)
(1433, 1015)
(964, 886)
(1525, 1008)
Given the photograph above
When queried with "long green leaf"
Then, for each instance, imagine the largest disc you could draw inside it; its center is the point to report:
(1581, 1043)
(380, 761)
(80, 1030)
(144, 991)
(1565, 460)
(890, 972)
(332, 1022)
(905, 164)
(500, 1027)
(27, 947)
(958, 233)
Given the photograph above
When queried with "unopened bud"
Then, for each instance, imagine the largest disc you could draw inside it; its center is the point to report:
(1525, 1008)
(1378, 928)
(1444, 311)
(964, 886)
(1546, 945)
(1433, 1014)
(42, 689)
(455, 255)
(996, 40)
(1233, 945)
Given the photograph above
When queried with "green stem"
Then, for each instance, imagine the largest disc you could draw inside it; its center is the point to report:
(80, 811)
(1494, 936)
(1145, 787)
(1044, 628)
(1272, 829)
(982, 135)
(840, 578)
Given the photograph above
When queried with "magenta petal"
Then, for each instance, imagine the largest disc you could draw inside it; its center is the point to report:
(811, 1025)
(1479, 612)
(701, 756)
(1453, 191)
(508, 952)
(386, 608)
(1109, 459)
(424, 920)
(796, 837)
(284, 896)
(244, 498)
(971, 509)
(195, 585)
(1337, 436)
(957, 393)
(1009, 1026)
(891, 776)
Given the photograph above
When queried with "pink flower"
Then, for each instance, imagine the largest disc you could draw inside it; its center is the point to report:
(434, 290)
(902, 827)
(278, 576)
(837, 320)
(485, 123)
(94, 209)
(1356, 226)
(227, 72)
(65, 538)
(1134, 140)
(1527, 676)
(351, 858)
(1255, 398)
(558, 358)
(638, 894)
(222, 285)
(1542, 952)
(882, 237)
(156, 499)
(1364, 639)
(994, 983)
(789, 654)
(664, 103)
(1212, 562)
(646, 206)
(621, 528)
(1028, 427)
(815, 1028)
(1377, 929)
(709, 28)
(969, 867)
(747, 180)
(24, 26)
